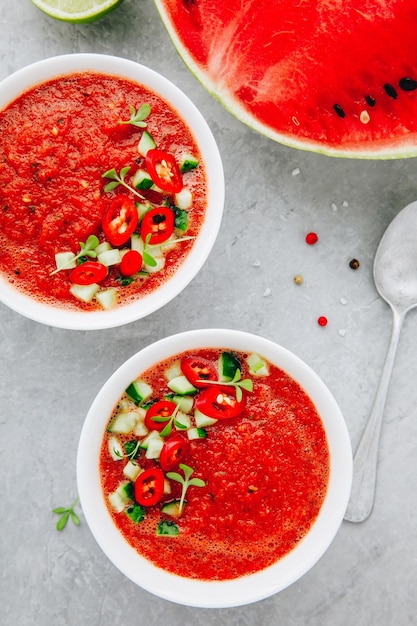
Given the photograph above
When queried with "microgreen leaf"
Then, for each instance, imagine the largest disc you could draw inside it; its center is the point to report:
(236, 383)
(65, 513)
(119, 179)
(86, 249)
(166, 431)
(148, 259)
(137, 117)
(186, 481)
(131, 448)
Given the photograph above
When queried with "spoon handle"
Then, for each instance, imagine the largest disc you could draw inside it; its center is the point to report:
(366, 457)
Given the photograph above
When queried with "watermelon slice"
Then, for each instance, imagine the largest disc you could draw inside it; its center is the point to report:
(332, 76)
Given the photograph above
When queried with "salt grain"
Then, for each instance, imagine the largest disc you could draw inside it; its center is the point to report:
(342, 332)
(267, 292)
(296, 171)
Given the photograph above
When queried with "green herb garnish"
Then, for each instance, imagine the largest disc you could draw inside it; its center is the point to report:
(186, 481)
(148, 259)
(131, 447)
(236, 382)
(119, 179)
(65, 514)
(137, 117)
(167, 527)
(136, 513)
(87, 249)
(171, 421)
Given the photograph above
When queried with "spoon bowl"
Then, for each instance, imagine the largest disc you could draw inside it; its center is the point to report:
(395, 275)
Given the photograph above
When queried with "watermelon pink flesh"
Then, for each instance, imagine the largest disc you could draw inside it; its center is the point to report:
(283, 65)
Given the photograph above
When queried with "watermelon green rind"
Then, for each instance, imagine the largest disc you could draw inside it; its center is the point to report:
(402, 145)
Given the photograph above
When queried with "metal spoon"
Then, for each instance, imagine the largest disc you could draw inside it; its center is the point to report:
(395, 275)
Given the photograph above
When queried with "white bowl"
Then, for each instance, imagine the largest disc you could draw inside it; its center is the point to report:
(22, 80)
(246, 589)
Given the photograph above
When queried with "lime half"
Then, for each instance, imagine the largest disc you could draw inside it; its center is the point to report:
(80, 11)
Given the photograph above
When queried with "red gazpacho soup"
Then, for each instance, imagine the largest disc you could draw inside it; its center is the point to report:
(214, 464)
(102, 191)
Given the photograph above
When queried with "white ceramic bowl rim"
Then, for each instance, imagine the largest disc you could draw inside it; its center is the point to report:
(246, 589)
(22, 80)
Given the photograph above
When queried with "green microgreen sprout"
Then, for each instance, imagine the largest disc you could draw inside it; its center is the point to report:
(236, 382)
(131, 448)
(137, 117)
(170, 421)
(65, 513)
(87, 249)
(147, 257)
(186, 481)
(119, 179)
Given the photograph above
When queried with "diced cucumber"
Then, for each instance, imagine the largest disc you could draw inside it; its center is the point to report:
(182, 386)
(110, 257)
(154, 434)
(65, 260)
(188, 162)
(167, 487)
(142, 180)
(143, 207)
(228, 364)
(201, 420)
(196, 433)
(257, 365)
(184, 198)
(146, 143)
(115, 448)
(183, 420)
(186, 403)
(160, 264)
(136, 243)
(168, 245)
(154, 448)
(132, 470)
(118, 499)
(123, 423)
(167, 528)
(84, 293)
(102, 247)
(172, 508)
(107, 297)
(139, 391)
(173, 371)
(141, 430)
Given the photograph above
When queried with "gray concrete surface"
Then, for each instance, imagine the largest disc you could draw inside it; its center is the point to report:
(49, 377)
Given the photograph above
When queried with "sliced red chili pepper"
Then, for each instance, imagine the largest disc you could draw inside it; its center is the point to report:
(88, 273)
(198, 370)
(149, 486)
(164, 170)
(172, 452)
(159, 223)
(162, 408)
(120, 220)
(220, 402)
(131, 263)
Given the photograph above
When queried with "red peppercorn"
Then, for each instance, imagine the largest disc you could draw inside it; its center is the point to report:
(322, 320)
(311, 238)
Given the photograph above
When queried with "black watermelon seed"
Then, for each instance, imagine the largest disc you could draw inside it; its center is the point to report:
(339, 110)
(370, 100)
(390, 91)
(408, 84)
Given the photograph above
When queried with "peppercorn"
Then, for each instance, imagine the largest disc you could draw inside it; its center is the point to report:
(354, 264)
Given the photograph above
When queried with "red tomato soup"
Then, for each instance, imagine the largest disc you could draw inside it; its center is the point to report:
(214, 464)
(56, 142)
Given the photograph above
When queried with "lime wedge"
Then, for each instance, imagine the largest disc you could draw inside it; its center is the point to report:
(79, 11)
